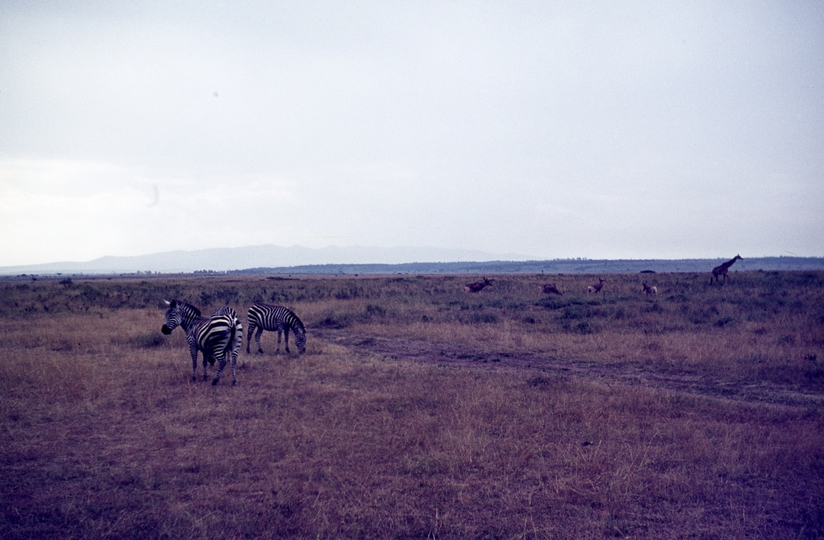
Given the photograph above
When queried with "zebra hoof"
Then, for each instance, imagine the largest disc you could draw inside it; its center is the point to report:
(214, 382)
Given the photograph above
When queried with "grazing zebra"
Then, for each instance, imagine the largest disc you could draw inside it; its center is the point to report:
(216, 336)
(477, 286)
(650, 289)
(267, 317)
(723, 269)
(595, 288)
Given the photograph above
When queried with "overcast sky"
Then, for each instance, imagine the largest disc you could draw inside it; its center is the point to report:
(551, 129)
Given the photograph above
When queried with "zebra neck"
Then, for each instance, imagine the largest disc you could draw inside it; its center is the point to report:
(190, 320)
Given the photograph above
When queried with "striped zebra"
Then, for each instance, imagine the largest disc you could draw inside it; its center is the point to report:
(216, 336)
(266, 317)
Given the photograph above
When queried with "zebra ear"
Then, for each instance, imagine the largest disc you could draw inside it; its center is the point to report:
(170, 304)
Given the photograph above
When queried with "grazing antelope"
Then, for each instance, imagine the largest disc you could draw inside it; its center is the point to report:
(477, 286)
(595, 288)
(550, 288)
(723, 269)
(650, 289)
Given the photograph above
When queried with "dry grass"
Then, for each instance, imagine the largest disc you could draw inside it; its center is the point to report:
(104, 436)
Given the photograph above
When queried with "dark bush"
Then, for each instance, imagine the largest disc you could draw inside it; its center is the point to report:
(148, 341)
(336, 321)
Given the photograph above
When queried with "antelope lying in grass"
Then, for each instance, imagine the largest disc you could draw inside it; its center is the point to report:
(550, 288)
(477, 286)
(595, 288)
(650, 289)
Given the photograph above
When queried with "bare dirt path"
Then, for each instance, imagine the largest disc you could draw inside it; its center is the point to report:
(545, 366)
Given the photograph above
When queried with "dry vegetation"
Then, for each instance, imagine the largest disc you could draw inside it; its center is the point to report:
(559, 422)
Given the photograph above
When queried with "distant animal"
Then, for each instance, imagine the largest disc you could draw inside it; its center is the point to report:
(267, 317)
(722, 270)
(595, 288)
(216, 337)
(477, 286)
(550, 288)
(650, 289)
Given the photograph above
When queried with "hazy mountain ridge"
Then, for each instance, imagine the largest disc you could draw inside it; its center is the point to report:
(269, 255)
(353, 260)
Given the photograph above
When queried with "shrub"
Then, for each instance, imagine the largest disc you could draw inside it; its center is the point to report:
(148, 340)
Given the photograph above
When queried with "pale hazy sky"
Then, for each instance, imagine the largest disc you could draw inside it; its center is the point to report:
(551, 129)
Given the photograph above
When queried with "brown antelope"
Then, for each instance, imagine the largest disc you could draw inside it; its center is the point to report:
(550, 288)
(477, 286)
(723, 269)
(650, 289)
(595, 288)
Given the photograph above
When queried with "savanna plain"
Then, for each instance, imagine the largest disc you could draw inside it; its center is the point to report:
(418, 410)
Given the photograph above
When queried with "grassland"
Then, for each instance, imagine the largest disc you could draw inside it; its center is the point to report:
(420, 411)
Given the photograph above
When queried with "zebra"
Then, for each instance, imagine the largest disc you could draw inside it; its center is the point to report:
(214, 336)
(267, 317)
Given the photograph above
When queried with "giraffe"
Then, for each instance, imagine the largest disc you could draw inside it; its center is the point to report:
(723, 269)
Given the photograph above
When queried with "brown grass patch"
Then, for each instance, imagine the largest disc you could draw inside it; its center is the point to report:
(104, 435)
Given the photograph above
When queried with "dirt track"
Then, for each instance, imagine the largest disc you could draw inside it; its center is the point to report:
(546, 365)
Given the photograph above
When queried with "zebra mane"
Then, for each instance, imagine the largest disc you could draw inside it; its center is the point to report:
(185, 306)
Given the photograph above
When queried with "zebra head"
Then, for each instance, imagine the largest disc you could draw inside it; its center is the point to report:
(177, 315)
(300, 337)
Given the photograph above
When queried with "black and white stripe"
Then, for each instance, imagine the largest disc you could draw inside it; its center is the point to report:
(216, 336)
(267, 317)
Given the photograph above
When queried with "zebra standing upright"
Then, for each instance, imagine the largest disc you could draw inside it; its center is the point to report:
(266, 317)
(214, 336)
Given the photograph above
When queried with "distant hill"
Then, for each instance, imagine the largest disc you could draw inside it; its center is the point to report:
(271, 259)
(269, 255)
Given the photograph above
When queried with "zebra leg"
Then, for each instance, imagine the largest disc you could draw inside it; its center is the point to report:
(235, 348)
(279, 332)
(234, 367)
(286, 338)
(205, 366)
(257, 338)
(193, 351)
(222, 364)
(249, 338)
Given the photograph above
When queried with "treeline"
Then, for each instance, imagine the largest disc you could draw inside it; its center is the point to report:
(556, 266)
